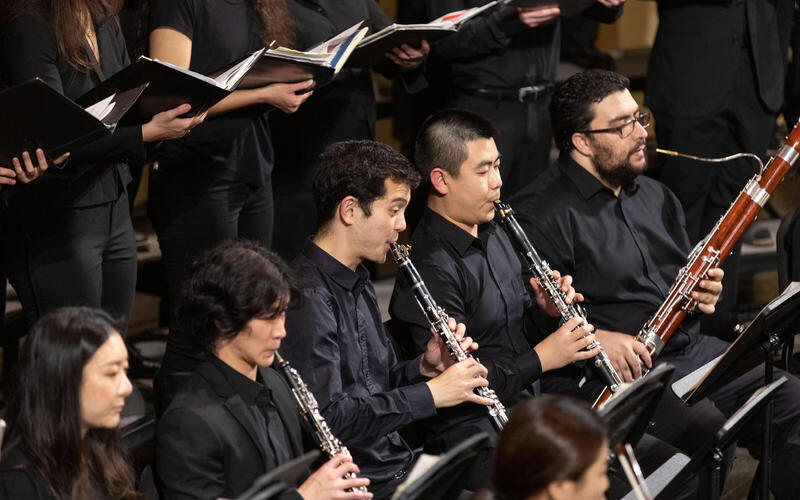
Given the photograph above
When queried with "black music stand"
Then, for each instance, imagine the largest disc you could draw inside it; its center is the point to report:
(756, 345)
(280, 479)
(629, 411)
(711, 454)
(442, 480)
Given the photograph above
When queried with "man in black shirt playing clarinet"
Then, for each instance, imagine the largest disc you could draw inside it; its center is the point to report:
(473, 272)
(622, 236)
(336, 339)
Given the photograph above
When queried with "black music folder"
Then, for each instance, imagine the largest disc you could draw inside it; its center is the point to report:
(372, 50)
(170, 86)
(281, 479)
(779, 317)
(36, 116)
(320, 63)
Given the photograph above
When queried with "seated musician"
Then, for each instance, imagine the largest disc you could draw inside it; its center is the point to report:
(553, 448)
(336, 339)
(62, 440)
(473, 272)
(235, 418)
(622, 236)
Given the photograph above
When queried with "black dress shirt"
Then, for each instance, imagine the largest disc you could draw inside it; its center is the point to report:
(96, 173)
(478, 282)
(258, 397)
(498, 51)
(335, 339)
(623, 251)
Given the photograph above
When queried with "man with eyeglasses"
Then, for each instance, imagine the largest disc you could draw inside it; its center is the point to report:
(622, 237)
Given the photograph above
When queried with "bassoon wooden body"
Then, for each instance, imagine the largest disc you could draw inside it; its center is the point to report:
(714, 249)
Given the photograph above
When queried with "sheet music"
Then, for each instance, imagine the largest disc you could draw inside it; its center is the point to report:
(102, 108)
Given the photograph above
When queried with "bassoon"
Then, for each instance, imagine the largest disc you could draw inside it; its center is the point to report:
(438, 321)
(600, 363)
(714, 249)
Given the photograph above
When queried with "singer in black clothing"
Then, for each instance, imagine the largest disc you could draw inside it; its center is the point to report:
(214, 184)
(622, 236)
(69, 238)
(236, 419)
(343, 110)
(502, 66)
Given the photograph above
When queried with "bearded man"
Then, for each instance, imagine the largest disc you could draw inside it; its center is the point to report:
(622, 237)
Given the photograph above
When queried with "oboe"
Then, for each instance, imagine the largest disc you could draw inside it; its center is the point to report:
(544, 276)
(310, 409)
(438, 320)
(714, 249)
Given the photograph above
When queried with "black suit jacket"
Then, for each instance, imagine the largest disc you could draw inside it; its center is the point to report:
(693, 64)
(207, 440)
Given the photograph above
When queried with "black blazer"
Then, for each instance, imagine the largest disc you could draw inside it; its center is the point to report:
(694, 58)
(96, 173)
(207, 440)
(19, 480)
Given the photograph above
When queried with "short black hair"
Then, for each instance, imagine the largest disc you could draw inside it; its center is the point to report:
(359, 169)
(231, 284)
(571, 107)
(442, 140)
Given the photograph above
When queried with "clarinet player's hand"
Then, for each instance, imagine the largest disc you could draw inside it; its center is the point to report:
(437, 357)
(543, 300)
(328, 482)
(624, 352)
(457, 383)
(564, 346)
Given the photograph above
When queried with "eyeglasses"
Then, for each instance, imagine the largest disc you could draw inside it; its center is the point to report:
(626, 128)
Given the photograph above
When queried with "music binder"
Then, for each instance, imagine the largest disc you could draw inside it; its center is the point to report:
(37, 116)
(745, 352)
(372, 50)
(320, 63)
(169, 86)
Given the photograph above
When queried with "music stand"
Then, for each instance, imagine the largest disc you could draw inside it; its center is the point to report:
(628, 412)
(441, 481)
(756, 345)
(711, 454)
(280, 479)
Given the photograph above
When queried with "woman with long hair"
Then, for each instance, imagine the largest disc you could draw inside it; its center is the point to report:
(62, 442)
(214, 184)
(553, 448)
(69, 237)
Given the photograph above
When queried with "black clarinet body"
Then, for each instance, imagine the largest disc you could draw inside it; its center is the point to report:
(438, 320)
(600, 363)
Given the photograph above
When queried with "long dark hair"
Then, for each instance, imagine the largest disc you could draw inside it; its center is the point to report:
(44, 411)
(276, 22)
(67, 17)
(547, 439)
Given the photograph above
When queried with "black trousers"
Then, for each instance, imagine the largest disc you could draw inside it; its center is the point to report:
(688, 427)
(525, 135)
(188, 220)
(706, 190)
(83, 256)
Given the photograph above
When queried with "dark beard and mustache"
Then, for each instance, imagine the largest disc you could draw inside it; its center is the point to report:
(614, 171)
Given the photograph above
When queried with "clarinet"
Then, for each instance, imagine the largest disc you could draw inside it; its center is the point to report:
(544, 276)
(714, 249)
(438, 320)
(310, 409)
